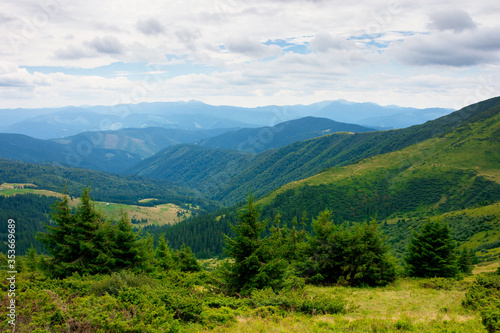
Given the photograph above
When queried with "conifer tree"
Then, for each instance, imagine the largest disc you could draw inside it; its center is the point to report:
(20, 266)
(256, 264)
(31, 259)
(431, 253)
(353, 256)
(59, 240)
(164, 255)
(85, 242)
(186, 261)
(126, 250)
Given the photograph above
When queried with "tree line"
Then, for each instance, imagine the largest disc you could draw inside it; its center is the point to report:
(83, 241)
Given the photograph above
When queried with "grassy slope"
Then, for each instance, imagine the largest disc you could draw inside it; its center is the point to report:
(472, 150)
(402, 306)
(158, 215)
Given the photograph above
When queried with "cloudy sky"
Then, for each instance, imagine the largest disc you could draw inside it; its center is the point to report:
(248, 53)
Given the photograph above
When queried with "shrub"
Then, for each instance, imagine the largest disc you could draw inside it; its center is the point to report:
(299, 301)
(484, 296)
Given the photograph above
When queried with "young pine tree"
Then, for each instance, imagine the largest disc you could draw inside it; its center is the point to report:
(32, 259)
(256, 264)
(186, 261)
(431, 253)
(355, 256)
(465, 260)
(164, 255)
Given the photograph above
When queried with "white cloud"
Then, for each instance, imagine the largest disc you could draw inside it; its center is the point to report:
(453, 19)
(252, 48)
(469, 48)
(150, 26)
(374, 49)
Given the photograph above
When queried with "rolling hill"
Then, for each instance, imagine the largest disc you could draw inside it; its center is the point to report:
(83, 154)
(268, 170)
(104, 186)
(140, 141)
(455, 174)
(256, 140)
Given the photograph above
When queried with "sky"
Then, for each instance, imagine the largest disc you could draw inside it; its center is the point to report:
(248, 53)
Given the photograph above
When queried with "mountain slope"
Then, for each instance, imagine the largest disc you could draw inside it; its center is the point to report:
(273, 168)
(459, 169)
(141, 141)
(454, 174)
(83, 155)
(104, 186)
(259, 139)
(198, 167)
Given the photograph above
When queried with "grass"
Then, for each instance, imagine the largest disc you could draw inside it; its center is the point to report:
(486, 267)
(159, 215)
(402, 306)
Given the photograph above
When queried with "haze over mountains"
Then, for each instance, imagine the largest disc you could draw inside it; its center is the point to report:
(53, 123)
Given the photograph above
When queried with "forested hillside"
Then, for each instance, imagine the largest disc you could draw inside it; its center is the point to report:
(271, 169)
(105, 186)
(82, 154)
(255, 140)
(141, 141)
(455, 170)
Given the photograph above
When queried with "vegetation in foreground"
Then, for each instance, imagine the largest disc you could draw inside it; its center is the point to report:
(104, 278)
(174, 301)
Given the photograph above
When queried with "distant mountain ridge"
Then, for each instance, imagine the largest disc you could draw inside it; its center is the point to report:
(54, 123)
(141, 141)
(263, 138)
(27, 149)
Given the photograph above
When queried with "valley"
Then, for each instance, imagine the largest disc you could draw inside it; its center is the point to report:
(188, 194)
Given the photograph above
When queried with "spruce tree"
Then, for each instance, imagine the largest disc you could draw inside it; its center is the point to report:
(354, 256)
(465, 260)
(87, 243)
(164, 255)
(32, 259)
(256, 263)
(186, 261)
(59, 240)
(126, 250)
(431, 253)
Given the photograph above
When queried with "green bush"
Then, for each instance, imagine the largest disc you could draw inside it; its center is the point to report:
(215, 317)
(484, 296)
(299, 301)
(437, 283)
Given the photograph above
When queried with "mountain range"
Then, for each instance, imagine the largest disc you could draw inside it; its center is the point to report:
(447, 167)
(55, 123)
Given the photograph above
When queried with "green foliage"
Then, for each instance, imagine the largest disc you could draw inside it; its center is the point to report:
(164, 256)
(32, 259)
(431, 253)
(354, 256)
(466, 260)
(438, 283)
(31, 212)
(256, 264)
(86, 243)
(298, 301)
(186, 261)
(484, 296)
